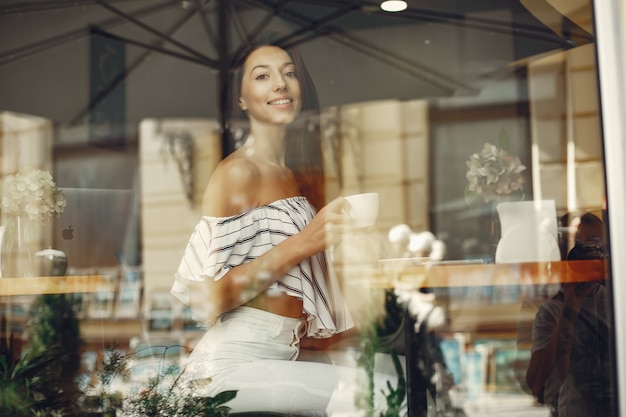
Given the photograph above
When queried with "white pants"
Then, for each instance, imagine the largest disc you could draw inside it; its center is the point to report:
(254, 352)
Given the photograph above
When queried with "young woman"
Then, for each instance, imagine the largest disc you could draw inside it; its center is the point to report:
(261, 248)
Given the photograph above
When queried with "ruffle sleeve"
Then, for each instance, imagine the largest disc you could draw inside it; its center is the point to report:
(220, 243)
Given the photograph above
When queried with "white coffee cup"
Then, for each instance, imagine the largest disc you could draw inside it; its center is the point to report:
(363, 208)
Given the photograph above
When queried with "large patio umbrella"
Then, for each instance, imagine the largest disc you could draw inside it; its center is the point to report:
(70, 60)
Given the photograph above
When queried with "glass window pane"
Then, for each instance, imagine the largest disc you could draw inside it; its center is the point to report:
(470, 276)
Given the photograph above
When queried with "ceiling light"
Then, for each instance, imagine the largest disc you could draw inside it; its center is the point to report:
(393, 5)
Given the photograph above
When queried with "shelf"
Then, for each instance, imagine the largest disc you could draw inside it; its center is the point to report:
(55, 285)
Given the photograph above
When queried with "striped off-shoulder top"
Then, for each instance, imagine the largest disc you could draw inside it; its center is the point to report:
(220, 243)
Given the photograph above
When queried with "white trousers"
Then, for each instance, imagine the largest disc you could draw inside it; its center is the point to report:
(254, 352)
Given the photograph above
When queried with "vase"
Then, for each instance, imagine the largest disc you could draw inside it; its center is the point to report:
(51, 262)
(495, 231)
(16, 259)
(528, 232)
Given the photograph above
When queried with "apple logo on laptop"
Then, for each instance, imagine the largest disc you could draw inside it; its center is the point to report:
(68, 233)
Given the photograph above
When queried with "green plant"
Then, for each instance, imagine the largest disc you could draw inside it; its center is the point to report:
(394, 397)
(15, 397)
(164, 396)
(54, 329)
(101, 398)
(161, 395)
(368, 347)
(19, 396)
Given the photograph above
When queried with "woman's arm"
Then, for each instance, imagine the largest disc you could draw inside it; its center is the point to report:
(244, 282)
(232, 190)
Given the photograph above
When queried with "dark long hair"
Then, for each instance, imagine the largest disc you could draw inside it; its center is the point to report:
(303, 151)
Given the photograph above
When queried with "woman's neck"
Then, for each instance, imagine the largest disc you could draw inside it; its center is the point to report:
(267, 143)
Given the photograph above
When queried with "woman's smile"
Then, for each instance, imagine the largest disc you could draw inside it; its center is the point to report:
(281, 103)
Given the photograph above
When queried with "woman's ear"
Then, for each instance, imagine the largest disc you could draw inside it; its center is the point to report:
(242, 105)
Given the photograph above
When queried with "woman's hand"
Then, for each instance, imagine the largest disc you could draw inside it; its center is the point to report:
(326, 228)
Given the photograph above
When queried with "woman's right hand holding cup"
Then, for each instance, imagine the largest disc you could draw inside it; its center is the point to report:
(327, 226)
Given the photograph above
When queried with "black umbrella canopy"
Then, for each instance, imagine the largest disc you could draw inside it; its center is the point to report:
(174, 53)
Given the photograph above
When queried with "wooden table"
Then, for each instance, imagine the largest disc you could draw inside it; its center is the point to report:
(54, 285)
(448, 274)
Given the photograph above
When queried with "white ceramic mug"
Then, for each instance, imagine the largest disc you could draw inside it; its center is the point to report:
(363, 208)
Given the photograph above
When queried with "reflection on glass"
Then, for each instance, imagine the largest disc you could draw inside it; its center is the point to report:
(406, 101)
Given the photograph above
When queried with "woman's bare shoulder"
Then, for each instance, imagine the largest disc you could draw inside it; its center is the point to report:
(236, 168)
(232, 188)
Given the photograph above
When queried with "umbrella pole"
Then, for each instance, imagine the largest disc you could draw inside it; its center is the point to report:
(223, 46)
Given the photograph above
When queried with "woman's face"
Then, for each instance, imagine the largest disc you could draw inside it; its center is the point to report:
(270, 91)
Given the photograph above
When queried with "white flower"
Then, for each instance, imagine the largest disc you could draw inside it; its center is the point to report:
(493, 173)
(32, 193)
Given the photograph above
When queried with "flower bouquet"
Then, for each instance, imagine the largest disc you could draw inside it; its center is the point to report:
(32, 193)
(494, 175)
(30, 198)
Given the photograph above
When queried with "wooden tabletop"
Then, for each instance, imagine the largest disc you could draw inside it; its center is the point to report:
(420, 274)
(403, 273)
(54, 285)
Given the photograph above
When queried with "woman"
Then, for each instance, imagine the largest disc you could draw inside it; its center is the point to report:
(261, 249)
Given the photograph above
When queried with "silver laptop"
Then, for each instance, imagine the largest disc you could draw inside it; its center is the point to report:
(97, 229)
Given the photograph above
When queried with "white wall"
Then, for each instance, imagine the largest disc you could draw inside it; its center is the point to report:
(168, 217)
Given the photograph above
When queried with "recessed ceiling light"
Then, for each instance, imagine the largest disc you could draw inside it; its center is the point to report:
(393, 5)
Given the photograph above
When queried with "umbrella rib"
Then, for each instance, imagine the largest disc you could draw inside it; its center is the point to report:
(240, 27)
(404, 65)
(39, 6)
(161, 35)
(265, 22)
(33, 48)
(374, 52)
(526, 31)
(259, 27)
(205, 23)
(436, 17)
(103, 94)
(312, 25)
(202, 61)
(478, 23)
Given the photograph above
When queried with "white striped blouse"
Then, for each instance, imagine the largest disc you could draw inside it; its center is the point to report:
(220, 243)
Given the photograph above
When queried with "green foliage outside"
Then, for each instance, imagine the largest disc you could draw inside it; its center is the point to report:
(42, 381)
(161, 395)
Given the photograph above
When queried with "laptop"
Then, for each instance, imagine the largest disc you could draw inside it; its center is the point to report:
(97, 229)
